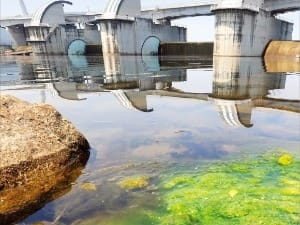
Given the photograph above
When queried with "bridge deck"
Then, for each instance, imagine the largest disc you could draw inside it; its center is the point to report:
(172, 13)
(281, 6)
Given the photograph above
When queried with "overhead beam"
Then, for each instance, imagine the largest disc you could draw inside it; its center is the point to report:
(173, 13)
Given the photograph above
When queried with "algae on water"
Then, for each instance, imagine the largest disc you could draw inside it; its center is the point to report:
(134, 182)
(261, 191)
(285, 160)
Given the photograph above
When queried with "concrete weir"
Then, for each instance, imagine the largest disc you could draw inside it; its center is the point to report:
(48, 32)
(130, 36)
(124, 31)
(244, 29)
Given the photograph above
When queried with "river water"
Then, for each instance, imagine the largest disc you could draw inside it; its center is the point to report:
(145, 116)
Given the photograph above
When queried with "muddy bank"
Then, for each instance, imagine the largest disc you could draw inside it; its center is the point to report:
(41, 155)
(283, 48)
(282, 56)
(281, 64)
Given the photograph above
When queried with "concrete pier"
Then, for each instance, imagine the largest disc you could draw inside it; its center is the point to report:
(133, 36)
(242, 28)
(48, 32)
(123, 31)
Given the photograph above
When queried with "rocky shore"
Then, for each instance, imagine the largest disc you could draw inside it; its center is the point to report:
(41, 155)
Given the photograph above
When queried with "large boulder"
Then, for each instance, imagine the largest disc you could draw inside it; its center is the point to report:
(41, 156)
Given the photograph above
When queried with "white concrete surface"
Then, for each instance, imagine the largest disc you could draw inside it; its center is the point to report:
(245, 33)
(281, 5)
(172, 13)
(51, 13)
(253, 5)
(17, 34)
(123, 8)
(128, 37)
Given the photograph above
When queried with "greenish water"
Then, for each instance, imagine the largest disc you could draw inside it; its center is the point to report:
(254, 190)
(250, 191)
(200, 139)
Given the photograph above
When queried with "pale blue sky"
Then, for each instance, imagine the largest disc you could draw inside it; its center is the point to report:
(206, 24)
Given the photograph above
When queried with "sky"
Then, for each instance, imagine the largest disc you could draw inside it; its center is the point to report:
(206, 23)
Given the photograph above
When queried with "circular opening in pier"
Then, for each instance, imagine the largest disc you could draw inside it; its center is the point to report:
(77, 47)
(150, 46)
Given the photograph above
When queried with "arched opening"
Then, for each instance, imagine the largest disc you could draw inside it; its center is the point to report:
(77, 47)
(150, 46)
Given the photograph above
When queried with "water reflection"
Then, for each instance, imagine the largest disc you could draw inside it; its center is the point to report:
(281, 64)
(239, 84)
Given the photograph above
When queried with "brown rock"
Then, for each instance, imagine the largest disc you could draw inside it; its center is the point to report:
(31, 131)
(41, 155)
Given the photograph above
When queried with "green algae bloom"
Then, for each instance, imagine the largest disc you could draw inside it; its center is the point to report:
(252, 191)
(285, 160)
(258, 191)
(177, 181)
(134, 182)
(88, 186)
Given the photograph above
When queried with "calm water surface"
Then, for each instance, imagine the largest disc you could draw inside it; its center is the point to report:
(150, 116)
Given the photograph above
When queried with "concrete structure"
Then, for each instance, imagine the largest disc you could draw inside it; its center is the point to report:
(123, 31)
(80, 18)
(279, 6)
(48, 32)
(166, 15)
(243, 27)
(130, 36)
(160, 14)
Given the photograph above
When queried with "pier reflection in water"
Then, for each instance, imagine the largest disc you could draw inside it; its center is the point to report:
(141, 114)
